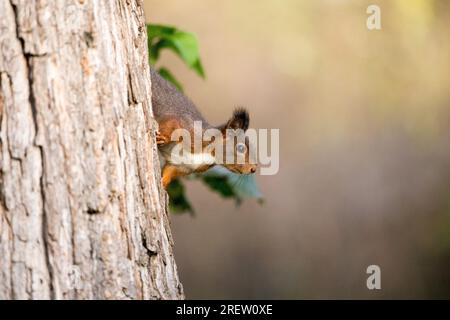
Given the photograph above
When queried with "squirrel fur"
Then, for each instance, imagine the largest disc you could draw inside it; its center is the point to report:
(173, 110)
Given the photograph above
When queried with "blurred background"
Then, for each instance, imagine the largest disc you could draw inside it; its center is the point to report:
(364, 119)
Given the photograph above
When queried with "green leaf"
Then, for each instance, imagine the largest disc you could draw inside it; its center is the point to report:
(159, 31)
(232, 185)
(166, 74)
(155, 33)
(182, 43)
(220, 185)
(178, 202)
(227, 184)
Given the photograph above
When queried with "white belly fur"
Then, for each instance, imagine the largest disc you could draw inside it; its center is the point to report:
(185, 158)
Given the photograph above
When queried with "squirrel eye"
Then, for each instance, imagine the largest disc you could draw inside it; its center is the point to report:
(241, 148)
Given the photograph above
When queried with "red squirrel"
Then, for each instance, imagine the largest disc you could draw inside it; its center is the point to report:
(173, 110)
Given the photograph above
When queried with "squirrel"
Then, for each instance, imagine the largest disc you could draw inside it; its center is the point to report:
(173, 110)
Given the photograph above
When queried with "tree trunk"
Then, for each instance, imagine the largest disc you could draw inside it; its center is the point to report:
(82, 213)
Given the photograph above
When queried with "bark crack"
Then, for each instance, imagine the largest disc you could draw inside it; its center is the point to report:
(32, 100)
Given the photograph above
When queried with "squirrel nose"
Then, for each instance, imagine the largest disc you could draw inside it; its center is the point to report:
(253, 169)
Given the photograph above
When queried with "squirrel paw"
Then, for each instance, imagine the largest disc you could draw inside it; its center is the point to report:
(160, 139)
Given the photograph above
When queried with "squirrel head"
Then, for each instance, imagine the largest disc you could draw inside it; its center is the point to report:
(238, 154)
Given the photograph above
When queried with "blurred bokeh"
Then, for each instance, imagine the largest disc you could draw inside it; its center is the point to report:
(364, 119)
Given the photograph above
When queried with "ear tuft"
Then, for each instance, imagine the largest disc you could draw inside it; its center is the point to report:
(240, 119)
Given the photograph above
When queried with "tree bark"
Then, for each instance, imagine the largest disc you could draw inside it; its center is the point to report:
(82, 213)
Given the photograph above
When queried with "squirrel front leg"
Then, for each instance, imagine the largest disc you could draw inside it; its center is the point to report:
(166, 128)
(161, 139)
(169, 173)
(163, 136)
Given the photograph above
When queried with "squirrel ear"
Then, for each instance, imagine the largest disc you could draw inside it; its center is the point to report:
(239, 120)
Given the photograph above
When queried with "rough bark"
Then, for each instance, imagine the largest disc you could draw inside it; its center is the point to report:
(82, 215)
